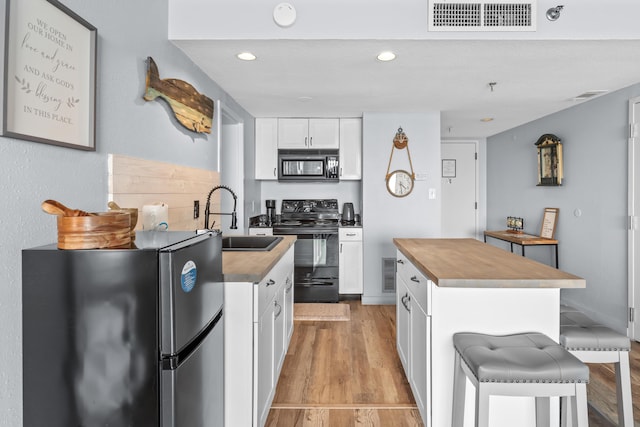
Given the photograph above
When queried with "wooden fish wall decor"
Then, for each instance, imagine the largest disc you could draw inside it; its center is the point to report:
(192, 109)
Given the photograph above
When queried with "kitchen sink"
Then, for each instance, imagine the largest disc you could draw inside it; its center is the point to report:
(250, 243)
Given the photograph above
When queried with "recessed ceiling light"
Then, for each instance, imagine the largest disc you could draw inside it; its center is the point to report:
(304, 98)
(386, 56)
(486, 119)
(246, 56)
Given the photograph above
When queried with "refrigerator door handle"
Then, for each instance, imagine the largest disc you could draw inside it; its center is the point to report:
(173, 361)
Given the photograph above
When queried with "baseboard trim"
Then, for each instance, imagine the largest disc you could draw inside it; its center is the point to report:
(379, 299)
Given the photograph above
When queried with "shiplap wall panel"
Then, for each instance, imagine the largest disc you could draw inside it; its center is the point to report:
(135, 182)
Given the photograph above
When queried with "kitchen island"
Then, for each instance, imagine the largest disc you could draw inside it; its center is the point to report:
(258, 311)
(446, 286)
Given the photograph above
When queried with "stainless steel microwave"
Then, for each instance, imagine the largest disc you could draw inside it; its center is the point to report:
(308, 165)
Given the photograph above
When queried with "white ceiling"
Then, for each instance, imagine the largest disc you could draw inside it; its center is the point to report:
(533, 78)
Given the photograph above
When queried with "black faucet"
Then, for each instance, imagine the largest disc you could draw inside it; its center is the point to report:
(207, 213)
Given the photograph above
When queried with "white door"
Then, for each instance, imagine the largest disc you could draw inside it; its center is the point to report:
(459, 189)
(634, 217)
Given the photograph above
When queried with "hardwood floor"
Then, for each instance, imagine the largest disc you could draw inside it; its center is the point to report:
(342, 374)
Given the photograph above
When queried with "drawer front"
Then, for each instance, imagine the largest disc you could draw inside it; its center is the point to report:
(346, 234)
(257, 231)
(416, 282)
(268, 287)
(404, 267)
(266, 291)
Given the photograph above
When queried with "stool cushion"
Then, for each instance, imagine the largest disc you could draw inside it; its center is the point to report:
(527, 358)
(579, 332)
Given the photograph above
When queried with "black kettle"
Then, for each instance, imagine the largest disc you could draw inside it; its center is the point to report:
(348, 216)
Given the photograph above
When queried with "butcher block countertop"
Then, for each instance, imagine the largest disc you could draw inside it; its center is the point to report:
(469, 263)
(253, 266)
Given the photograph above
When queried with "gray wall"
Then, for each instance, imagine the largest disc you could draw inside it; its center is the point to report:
(386, 216)
(594, 244)
(128, 32)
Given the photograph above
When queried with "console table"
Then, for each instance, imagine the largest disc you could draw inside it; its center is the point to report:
(523, 240)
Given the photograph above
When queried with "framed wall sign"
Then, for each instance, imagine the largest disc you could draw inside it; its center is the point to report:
(50, 75)
(448, 168)
(549, 221)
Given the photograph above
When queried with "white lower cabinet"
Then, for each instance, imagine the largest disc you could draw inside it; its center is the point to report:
(264, 362)
(403, 313)
(413, 331)
(258, 328)
(288, 308)
(279, 331)
(350, 270)
(420, 325)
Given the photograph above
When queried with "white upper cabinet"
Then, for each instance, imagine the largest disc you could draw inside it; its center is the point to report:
(350, 149)
(266, 161)
(309, 133)
(344, 134)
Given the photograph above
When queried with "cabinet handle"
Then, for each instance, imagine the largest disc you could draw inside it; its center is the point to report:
(351, 234)
(400, 261)
(310, 141)
(279, 307)
(340, 247)
(261, 234)
(271, 282)
(340, 171)
(415, 279)
(405, 301)
(290, 285)
(305, 140)
(275, 172)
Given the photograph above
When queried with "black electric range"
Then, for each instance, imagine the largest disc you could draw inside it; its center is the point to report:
(315, 222)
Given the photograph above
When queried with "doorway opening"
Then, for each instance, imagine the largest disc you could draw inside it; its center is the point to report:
(231, 167)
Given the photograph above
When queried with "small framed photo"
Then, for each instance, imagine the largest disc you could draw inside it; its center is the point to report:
(448, 168)
(549, 221)
(50, 75)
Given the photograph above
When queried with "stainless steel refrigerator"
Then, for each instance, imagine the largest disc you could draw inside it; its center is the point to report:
(124, 337)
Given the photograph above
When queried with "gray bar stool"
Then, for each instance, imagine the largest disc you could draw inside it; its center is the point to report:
(592, 342)
(527, 364)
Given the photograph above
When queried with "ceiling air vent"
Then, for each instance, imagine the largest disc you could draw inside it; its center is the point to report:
(497, 15)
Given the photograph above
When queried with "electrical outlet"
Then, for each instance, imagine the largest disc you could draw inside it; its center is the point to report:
(196, 209)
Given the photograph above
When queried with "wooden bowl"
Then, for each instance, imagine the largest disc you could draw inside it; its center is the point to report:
(100, 230)
(134, 218)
